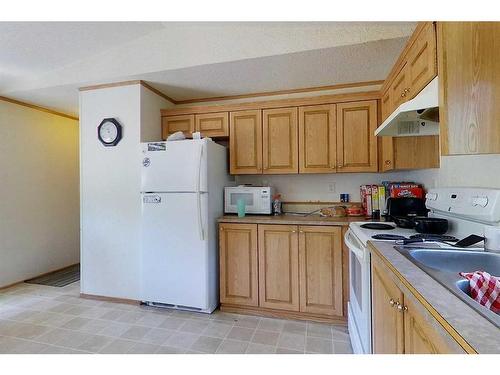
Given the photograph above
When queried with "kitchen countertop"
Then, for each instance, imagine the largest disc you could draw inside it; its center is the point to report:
(290, 220)
(477, 331)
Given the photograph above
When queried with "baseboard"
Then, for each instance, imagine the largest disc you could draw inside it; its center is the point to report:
(110, 299)
(260, 311)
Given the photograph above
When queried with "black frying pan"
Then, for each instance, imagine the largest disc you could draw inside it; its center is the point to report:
(430, 225)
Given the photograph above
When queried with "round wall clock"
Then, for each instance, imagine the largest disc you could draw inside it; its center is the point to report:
(109, 132)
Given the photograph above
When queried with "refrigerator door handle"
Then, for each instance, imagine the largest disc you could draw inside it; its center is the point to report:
(198, 192)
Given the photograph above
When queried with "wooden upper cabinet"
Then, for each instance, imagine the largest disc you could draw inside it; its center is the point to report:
(172, 124)
(400, 88)
(421, 60)
(317, 139)
(386, 103)
(238, 264)
(280, 145)
(387, 320)
(416, 152)
(320, 263)
(356, 142)
(245, 142)
(213, 124)
(469, 87)
(278, 267)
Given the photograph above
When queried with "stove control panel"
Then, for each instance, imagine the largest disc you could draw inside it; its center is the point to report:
(473, 203)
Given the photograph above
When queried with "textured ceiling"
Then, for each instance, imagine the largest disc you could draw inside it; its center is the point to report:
(45, 63)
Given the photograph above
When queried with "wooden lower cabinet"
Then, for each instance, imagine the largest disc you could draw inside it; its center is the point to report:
(278, 267)
(238, 264)
(388, 324)
(320, 260)
(300, 270)
(400, 323)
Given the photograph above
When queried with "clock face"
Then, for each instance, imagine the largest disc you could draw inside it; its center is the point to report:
(109, 132)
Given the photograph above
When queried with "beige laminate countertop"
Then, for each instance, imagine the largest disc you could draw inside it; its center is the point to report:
(290, 220)
(477, 331)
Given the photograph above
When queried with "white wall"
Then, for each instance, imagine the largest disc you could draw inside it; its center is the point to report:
(316, 187)
(39, 193)
(151, 104)
(110, 188)
(462, 170)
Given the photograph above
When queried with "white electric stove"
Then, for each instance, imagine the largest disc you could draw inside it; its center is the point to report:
(468, 211)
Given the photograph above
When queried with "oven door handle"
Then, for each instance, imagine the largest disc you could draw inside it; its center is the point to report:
(358, 252)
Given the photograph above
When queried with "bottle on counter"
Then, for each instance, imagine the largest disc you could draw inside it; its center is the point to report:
(277, 204)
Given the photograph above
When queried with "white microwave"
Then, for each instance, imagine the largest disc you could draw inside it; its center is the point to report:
(258, 199)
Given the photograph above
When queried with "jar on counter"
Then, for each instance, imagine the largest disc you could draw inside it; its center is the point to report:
(277, 205)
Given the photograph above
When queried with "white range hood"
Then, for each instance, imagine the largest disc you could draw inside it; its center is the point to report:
(417, 117)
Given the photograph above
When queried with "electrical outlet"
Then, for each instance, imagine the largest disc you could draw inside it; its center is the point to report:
(331, 187)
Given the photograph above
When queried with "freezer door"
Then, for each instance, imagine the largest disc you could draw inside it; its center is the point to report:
(178, 166)
(175, 250)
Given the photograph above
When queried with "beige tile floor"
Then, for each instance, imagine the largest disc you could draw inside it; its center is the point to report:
(42, 319)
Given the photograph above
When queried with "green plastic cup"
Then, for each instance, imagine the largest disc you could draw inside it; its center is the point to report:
(240, 205)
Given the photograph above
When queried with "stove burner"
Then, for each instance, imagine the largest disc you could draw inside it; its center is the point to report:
(439, 237)
(391, 237)
(377, 226)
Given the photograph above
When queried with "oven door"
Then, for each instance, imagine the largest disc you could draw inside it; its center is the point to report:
(359, 294)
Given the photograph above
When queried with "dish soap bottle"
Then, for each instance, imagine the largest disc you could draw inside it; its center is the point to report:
(277, 204)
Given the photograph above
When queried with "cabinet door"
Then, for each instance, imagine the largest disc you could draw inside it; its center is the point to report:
(280, 146)
(238, 264)
(182, 123)
(469, 87)
(416, 152)
(320, 265)
(317, 139)
(387, 320)
(400, 87)
(278, 267)
(386, 103)
(245, 142)
(356, 142)
(213, 124)
(422, 60)
(423, 334)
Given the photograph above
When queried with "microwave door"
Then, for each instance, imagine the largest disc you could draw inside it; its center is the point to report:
(232, 198)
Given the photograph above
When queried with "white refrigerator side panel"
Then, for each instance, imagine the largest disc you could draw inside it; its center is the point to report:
(175, 258)
(218, 178)
(182, 167)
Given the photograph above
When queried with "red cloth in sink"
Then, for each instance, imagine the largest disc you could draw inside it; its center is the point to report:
(484, 288)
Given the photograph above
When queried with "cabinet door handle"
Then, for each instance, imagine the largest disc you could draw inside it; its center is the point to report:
(301, 231)
(407, 89)
(401, 307)
(294, 231)
(392, 302)
(387, 162)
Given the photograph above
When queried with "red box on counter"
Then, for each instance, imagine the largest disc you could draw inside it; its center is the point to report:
(406, 190)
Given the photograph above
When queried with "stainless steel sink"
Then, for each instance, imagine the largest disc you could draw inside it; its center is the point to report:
(444, 266)
(458, 260)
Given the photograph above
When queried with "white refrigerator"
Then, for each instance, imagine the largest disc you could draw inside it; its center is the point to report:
(182, 197)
